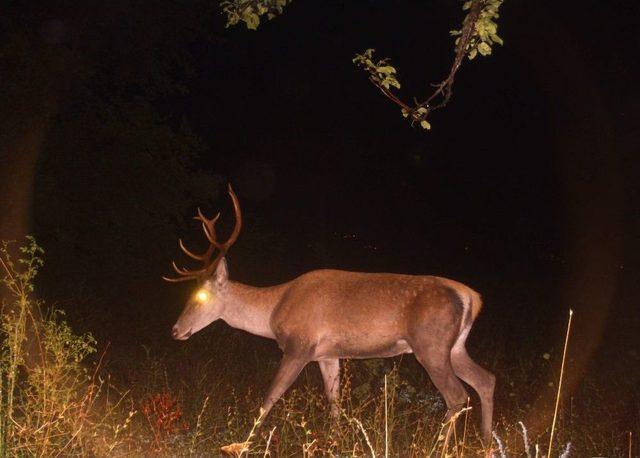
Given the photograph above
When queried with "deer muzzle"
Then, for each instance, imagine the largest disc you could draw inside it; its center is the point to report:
(178, 334)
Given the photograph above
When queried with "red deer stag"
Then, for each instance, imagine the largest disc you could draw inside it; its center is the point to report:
(326, 315)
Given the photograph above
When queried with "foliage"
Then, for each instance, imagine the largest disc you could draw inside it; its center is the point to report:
(381, 73)
(63, 409)
(219, 396)
(485, 30)
(48, 410)
(164, 415)
(14, 321)
(300, 425)
(249, 11)
(477, 35)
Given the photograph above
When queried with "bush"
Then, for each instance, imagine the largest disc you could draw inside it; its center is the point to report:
(51, 408)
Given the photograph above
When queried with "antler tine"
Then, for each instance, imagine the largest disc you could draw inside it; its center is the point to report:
(197, 257)
(208, 226)
(189, 273)
(224, 247)
(176, 280)
(236, 229)
(185, 272)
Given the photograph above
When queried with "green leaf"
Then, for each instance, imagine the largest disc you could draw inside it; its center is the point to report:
(251, 19)
(484, 49)
(388, 69)
(249, 11)
(497, 39)
(491, 27)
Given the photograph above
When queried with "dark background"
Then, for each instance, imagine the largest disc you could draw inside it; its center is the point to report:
(525, 188)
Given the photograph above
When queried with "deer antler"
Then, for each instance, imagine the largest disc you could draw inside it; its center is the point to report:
(208, 226)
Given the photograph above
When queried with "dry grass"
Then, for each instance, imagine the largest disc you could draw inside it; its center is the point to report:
(405, 422)
(190, 405)
(300, 425)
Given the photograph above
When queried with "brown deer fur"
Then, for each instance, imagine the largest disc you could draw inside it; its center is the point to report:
(328, 315)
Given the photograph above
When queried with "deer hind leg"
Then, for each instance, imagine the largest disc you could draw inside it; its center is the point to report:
(290, 368)
(331, 376)
(438, 365)
(444, 378)
(431, 345)
(480, 379)
(431, 337)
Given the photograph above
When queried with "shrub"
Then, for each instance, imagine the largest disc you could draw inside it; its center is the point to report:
(49, 409)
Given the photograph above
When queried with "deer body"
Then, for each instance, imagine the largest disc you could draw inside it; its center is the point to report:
(357, 315)
(328, 315)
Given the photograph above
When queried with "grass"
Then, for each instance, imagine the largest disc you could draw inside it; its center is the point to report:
(200, 401)
(403, 420)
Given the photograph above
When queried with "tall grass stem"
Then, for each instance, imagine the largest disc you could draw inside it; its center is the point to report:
(266, 449)
(564, 357)
(386, 420)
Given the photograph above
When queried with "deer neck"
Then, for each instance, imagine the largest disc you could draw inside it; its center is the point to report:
(249, 308)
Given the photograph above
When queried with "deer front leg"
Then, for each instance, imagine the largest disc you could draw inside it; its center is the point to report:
(289, 369)
(331, 376)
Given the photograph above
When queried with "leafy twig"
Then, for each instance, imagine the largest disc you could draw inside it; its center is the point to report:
(249, 11)
(477, 35)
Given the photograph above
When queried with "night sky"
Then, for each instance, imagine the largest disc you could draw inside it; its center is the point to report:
(525, 188)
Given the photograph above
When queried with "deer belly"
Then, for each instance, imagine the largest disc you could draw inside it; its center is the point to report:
(344, 348)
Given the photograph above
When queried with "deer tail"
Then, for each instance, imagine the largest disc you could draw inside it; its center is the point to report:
(476, 304)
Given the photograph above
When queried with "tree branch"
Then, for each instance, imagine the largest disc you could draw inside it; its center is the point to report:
(477, 35)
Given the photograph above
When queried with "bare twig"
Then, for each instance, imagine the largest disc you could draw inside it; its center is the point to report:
(266, 449)
(194, 440)
(464, 431)
(364, 433)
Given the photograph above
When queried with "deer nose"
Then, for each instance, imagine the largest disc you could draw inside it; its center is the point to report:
(175, 333)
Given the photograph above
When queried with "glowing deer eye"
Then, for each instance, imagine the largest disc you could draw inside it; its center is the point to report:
(202, 295)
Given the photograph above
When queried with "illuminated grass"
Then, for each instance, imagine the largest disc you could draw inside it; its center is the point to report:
(190, 405)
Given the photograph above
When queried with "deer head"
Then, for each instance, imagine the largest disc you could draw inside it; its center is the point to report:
(205, 304)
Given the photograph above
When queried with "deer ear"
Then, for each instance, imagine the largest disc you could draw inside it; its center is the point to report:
(222, 274)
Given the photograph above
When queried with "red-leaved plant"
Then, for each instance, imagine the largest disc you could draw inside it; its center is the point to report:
(164, 415)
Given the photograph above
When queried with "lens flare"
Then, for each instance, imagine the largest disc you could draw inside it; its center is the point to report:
(202, 295)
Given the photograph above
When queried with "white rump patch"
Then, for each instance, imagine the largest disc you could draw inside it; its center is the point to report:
(465, 325)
